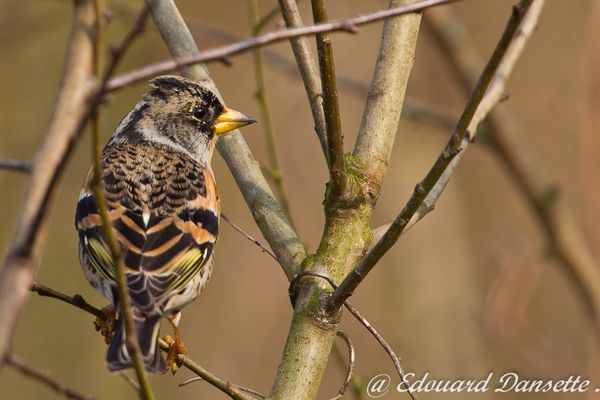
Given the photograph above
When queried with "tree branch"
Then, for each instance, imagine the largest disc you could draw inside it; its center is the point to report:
(70, 107)
(263, 248)
(412, 108)
(345, 236)
(187, 58)
(16, 165)
(275, 172)
(555, 219)
(266, 211)
(126, 310)
(331, 108)
(385, 100)
(430, 188)
(308, 70)
(77, 300)
(43, 377)
(351, 362)
(226, 387)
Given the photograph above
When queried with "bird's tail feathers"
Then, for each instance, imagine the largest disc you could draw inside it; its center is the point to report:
(118, 357)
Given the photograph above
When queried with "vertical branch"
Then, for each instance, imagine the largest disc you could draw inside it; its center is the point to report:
(131, 339)
(275, 171)
(70, 107)
(308, 70)
(347, 230)
(382, 111)
(331, 108)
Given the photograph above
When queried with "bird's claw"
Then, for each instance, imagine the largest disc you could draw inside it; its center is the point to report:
(176, 348)
(106, 326)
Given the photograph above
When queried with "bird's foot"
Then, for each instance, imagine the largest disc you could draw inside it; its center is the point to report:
(176, 347)
(106, 326)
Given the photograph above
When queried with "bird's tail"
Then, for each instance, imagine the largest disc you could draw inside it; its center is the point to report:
(118, 357)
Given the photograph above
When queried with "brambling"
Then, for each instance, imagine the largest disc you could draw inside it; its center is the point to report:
(164, 206)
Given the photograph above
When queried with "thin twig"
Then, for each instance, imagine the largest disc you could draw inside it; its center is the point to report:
(191, 380)
(357, 384)
(16, 165)
(226, 387)
(241, 388)
(132, 382)
(262, 22)
(430, 188)
(43, 377)
(351, 362)
(331, 107)
(264, 248)
(413, 109)
(76, 300)
(275, 171)
(308, 70)
(348, 25)
(125, 304)
(386, 347)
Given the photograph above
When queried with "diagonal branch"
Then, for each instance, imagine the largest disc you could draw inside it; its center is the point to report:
(265, 209)
(45, 378)
(70, 107)
(331, 107)
(430, 188)
(191, 55)
(565, 238)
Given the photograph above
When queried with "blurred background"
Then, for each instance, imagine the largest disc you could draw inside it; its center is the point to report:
(472, 289)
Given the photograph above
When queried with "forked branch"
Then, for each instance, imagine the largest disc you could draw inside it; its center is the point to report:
(430, 188)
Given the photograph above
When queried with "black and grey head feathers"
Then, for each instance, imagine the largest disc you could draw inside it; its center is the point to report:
(177, 113)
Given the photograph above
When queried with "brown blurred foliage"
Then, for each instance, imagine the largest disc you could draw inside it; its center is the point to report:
(468, 291)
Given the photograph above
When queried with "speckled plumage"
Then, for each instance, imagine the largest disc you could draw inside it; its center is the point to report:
(164, 206)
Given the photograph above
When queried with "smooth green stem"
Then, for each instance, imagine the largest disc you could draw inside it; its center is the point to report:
(331, 108)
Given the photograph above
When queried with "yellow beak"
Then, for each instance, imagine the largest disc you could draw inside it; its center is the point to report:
(230, 120)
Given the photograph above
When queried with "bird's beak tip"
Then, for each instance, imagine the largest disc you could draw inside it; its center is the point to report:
(231, 119)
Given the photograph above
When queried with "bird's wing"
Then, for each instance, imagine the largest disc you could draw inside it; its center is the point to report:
(165, 214)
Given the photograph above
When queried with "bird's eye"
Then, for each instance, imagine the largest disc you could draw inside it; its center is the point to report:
(199, 112)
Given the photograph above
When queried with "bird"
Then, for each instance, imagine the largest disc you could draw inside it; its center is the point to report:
(164, 208)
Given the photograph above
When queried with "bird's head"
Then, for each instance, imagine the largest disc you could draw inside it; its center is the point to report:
(182, 114)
